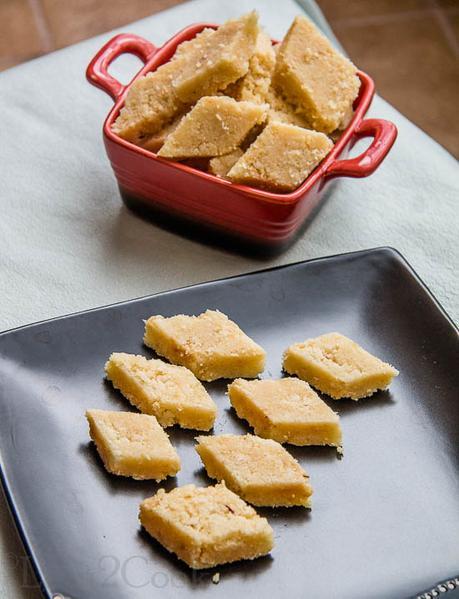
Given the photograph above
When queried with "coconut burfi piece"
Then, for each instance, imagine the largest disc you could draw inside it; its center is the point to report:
(206, 526)
(200, 67)
(286, 410)
(338, 366)
(280, 108)
(170, 393)
(254, 85)
(216, 126)
(132, 444)
(281, 157)
(152, 103)
(211, 345)
(221, 165)
(259, 470)
(189, 47)
(224, 59)
(315, 77)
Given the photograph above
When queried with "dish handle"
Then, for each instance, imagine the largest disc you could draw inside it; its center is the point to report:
(384, 134)
(97, 71)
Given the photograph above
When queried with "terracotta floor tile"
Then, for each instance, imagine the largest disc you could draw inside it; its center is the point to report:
(69, 25)
(414, 68)
(19, 37)
(336, 10)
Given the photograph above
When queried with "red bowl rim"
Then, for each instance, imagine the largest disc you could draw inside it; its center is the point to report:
(162, 55)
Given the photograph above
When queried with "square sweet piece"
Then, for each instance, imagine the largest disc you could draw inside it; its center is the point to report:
(254, 85)
(286, 410)
(206, 526)
(211, 345)
(221, 165)
(132, 445)
(170, 393)
(200, 67)
(315, 77)
(281, 157)
(338, 366)
(216, 126)
(259, 470)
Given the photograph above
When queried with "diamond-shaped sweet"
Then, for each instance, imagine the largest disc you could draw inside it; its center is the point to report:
(281, 157)
(211, 345)
(338, 366)
(259, 470)
(132, 444)
(206, 526)
(313, 76)
(216, 126)
(170, 393)
(286, 410)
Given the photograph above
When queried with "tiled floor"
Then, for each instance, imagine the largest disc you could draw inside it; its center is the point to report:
(410, 47)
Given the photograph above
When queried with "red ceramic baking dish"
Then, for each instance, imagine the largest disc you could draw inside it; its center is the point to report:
(197, 201)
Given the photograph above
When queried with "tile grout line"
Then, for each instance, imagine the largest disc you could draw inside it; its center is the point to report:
(445, 26)
(41, 24)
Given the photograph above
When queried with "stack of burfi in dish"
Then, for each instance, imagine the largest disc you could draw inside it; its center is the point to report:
(253, 113)
(200, 67)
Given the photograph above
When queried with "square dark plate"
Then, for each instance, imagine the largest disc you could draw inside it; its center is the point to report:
(385, 518)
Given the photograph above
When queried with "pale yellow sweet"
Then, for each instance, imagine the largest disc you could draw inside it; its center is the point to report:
(152, 103)
(170, 393)
(211, 345)
(221, 165)
(281, 157)
(254, 85)
(280, 108)
(259, 470)
(200, 67)
(338, 366)
(224, 59)
(316, 78)
(132, 445)
(206, 526)
(215, 126)
(188, 48)
(286, 410)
